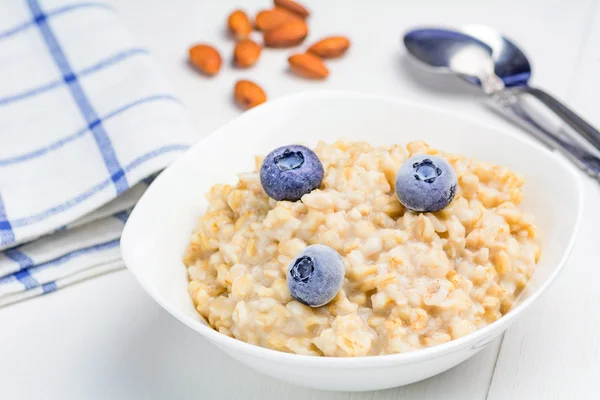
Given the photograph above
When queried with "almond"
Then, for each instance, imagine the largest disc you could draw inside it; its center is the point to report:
(206, 58)
(290, 33)
(246, 53)
(239, 24)
(330, 47)
(308, 65)
(293, 6)
(269, 19)
(249, 94)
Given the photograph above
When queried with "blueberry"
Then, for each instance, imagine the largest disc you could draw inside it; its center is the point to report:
(289, 172)
(315, 276)
(426, 183)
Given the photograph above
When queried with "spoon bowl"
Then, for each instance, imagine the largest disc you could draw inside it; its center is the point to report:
(510, 63)
(449, 51)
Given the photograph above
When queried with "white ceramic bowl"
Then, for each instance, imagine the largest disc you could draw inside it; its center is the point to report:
(159, 228)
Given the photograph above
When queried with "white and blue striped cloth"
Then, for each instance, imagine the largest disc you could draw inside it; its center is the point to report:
(86, 119)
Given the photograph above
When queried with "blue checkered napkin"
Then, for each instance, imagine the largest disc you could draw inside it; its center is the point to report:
(85, 118)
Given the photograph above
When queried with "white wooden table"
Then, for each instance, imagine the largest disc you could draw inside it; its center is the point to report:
(106, 339)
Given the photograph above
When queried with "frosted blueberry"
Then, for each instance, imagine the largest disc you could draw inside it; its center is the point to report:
(426, 183)
(315, 276)
(289, 172)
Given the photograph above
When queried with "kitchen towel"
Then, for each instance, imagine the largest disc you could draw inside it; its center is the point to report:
(86, 120)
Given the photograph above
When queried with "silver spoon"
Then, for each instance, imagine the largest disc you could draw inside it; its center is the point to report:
(447, 51)
(493, 67)
(512, 66)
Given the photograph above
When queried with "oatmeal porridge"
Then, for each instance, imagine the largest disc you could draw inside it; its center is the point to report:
(411, 279)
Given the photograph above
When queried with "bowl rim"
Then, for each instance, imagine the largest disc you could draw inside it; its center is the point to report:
(481, 336)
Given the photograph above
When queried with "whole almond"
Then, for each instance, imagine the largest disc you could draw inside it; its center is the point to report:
(330, 47)
(248, 94)
(293, 6)
(246, 53)
(269, 19)
(206, 58)
(288, 34)
(239, 24)
(308, 65)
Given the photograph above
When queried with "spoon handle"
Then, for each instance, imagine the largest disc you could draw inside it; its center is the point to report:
(509, 106)
(577, 123)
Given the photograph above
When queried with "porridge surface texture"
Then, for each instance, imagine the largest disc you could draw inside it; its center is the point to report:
(412, 280)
